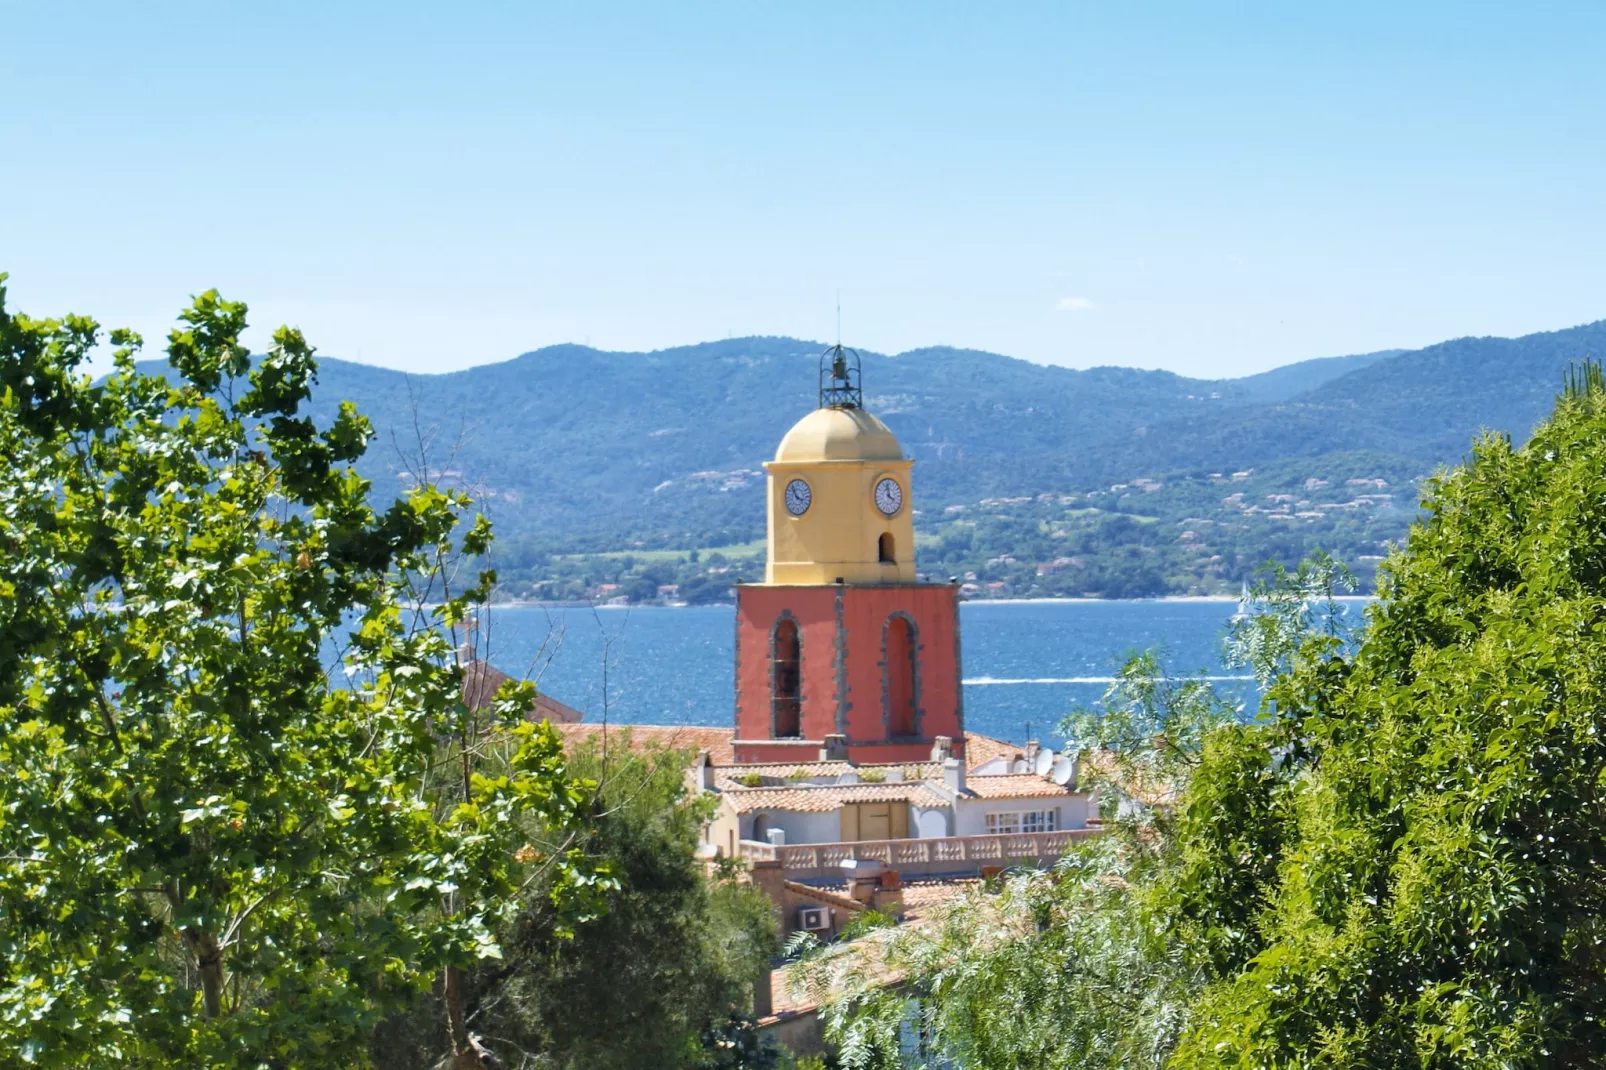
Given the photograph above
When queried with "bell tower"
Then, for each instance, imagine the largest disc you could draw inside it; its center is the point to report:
(841, 648)
(839, 508)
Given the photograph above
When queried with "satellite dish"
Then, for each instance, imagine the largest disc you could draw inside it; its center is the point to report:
(1064, 771)
(1045, 762)
(1019, 766)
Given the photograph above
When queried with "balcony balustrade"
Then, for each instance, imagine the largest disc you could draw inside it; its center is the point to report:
(944, 854)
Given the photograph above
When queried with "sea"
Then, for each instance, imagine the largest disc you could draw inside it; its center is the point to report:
(1026, 664)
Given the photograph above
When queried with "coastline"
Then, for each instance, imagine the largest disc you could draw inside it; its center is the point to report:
(1225, 599)
(1232, 599)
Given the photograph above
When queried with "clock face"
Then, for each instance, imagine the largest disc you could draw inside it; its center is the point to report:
(888, 496)
(798, 496)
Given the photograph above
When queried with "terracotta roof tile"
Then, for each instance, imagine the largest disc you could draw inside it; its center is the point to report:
(923, 899)
(482, 680)
(729, 776)
(980, 748)
(717, 741)
(825, 896)
(1012, 786)
(827, 798)
(781, 769)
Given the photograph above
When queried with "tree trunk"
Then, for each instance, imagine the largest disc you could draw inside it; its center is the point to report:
(467, 1051)
(456, 1029)
(209, 960)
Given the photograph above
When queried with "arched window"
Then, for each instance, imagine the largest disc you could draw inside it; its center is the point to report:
(899, 677)
(889, 546)
(761, 828)
(786, 680)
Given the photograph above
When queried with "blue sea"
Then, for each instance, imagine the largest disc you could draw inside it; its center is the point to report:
(1026, 664)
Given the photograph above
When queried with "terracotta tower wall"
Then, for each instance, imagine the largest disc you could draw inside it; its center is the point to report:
(844, 673)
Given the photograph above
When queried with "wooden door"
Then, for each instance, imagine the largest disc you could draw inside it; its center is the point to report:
(875, 821)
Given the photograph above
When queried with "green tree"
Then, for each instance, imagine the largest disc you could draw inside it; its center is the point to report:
(213, 854)
(1285, 612)
(1101, 961)
(1070, 968)
(654, 979)
(1438, 900)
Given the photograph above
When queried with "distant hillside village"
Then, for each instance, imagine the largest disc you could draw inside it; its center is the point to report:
(1200, 534)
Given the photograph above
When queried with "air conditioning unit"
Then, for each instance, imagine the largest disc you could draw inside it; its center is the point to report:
(814, 919)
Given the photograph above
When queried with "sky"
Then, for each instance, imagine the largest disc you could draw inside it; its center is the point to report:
(1215, 189)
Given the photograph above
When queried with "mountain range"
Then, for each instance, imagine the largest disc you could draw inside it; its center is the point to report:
(577, 450)
(574, 442)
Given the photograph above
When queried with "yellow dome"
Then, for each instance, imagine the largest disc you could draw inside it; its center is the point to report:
(832, 434)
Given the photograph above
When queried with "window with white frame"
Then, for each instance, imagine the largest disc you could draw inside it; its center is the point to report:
(1039, 821)
(1003, 822)
(1012, 821)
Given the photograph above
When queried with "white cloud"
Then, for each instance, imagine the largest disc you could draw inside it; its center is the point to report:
(1073, 304)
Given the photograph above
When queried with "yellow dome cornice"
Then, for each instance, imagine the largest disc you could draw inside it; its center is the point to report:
(834, 434)
(840, 508)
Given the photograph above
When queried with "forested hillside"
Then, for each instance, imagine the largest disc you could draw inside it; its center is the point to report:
(578, 453)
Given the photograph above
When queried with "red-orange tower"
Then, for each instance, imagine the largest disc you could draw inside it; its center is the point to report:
(841, 648)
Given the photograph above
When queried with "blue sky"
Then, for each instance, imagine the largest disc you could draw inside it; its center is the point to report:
(1214, 189)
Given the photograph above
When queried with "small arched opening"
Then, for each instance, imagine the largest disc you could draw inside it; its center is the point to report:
(899, 681)
(761, 828)
(888, 549)
(786, 680)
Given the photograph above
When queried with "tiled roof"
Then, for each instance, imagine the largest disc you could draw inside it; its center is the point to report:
(729, 776)
(1101, 765)
(821, 895)
(869, 961)
(782, 769)
(482, 680)
(554, 711)
(979, 748)
(826, 798)
(1012, 786)
(785, 1001)
(922, 899)
(717, 741)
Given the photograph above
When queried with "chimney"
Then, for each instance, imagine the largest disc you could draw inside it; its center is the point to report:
(863, 876)
(1031, 754)
(835, 749)
(953, 775)
(888, 896)
(942, 748)
(769, 877)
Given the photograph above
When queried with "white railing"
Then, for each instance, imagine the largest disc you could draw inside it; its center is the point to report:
(935, 855)
(756, 851)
